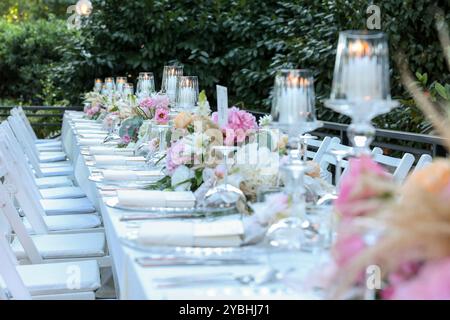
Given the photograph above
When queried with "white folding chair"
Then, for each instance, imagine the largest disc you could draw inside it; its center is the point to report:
(67, 280)
(424, 160)
(47, 143)
(40, 171)
(400, 166)
(25, 140)
(39, 218)
(45, 248)
(321, 147)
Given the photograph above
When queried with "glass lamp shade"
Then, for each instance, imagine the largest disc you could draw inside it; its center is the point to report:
(361, 86)
(169, 81)
(187, 92)
(293, 102)
(146, 84)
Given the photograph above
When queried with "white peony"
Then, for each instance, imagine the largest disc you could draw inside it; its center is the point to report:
(181, 174)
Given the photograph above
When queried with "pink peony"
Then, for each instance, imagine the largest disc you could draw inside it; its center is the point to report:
(162, 115)
(432, 282)
(240, 124)
(350, 202)
(176, 157)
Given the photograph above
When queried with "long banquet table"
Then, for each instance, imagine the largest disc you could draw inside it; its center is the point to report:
(133, 281)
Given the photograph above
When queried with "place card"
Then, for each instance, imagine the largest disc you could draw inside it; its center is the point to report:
(222, 105)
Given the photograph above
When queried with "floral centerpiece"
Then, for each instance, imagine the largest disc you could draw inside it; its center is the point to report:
(95, 105)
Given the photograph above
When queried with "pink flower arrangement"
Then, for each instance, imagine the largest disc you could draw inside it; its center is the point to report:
(347, 247)
(162, 115)
(93, 110)
(126, 139)
(176, 157)
(240, 125)
(149, 105)
(365, 186)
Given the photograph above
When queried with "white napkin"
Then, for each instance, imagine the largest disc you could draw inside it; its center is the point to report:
(90, 142)
(103, 150)
(93, 135)
(155, 198)
(132, 175)
(116, 160)
(187, 233)
(91, 131)
(88, 126)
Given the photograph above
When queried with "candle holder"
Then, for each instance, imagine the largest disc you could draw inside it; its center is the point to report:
(169, 81)
(361, 88)
(120, 83)
(98, 84)
(145, 85)
(186, 93)
(110, 84)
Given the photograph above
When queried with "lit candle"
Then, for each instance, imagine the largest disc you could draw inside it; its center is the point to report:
(98, 85)
(293, 99)
(361, 72)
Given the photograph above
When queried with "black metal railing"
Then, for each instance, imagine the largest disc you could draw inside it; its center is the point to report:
(392, 142)
(51, 116)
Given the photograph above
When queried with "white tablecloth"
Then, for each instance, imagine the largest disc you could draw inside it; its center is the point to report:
(136, 282)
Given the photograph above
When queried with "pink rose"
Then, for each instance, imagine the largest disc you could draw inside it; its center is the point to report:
(126, 139)
(162, 115)
(240, 125)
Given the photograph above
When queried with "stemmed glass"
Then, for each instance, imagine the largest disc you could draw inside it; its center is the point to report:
(113, 132)
(293, 111)
(154, 159)
(186, 92)
(146, 85)
(223, 194)
(361, 88)
(169, 81)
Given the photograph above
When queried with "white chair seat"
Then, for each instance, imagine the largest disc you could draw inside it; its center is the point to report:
(47, 148)
(68, 222)
(53, 182)
(52, 156)
(62, 193)
(57, 171)
(64, 246)
(52, 278)
(67, 206)
(65, 163)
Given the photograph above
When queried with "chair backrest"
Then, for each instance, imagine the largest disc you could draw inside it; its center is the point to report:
(424, 160)
(32, 157)
(12, 216)
(401, 166)
(9, 274)
(23, 190)
(321, 147)
(26, 122)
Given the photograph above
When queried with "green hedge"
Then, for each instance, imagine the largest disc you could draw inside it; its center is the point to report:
(236, 43)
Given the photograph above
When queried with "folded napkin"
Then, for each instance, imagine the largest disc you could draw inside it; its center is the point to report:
(88, 126)
(132, 175)
(91, 131)
(187, 233)
(93, 135)
(154, 198)
(90, 142)
(116, 160)
(103, 150)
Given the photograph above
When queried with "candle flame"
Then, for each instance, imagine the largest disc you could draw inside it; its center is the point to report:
(359, 48)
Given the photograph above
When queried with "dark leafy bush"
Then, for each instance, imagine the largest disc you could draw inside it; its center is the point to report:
(236, 43)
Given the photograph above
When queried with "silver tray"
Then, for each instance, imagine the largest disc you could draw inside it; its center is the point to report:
(113, 202)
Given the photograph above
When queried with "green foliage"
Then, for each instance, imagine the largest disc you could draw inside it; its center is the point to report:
(236, 43)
